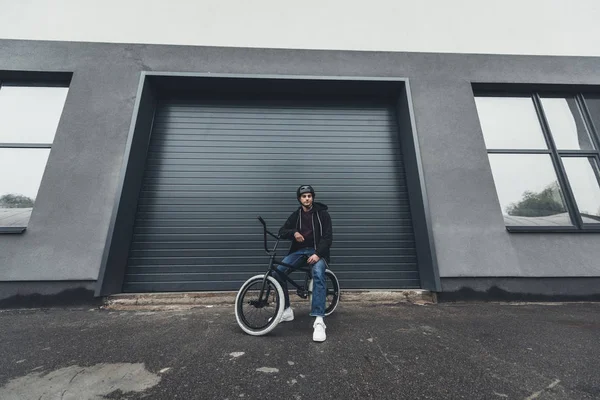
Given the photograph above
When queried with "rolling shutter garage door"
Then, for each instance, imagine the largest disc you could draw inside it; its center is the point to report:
(213, 167)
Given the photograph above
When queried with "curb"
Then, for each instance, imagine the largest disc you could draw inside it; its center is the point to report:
(187, 300)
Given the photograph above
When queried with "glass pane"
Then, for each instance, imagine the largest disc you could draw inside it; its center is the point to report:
(566, 124)
(510, 123)
(528, 190)
(30, 114)
(585, 183)
(21, 172)
(593, 106)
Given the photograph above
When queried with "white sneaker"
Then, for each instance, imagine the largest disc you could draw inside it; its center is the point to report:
(319, 332)
(288, 315)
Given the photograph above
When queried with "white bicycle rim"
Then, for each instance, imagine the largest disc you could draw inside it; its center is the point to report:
(279, 310)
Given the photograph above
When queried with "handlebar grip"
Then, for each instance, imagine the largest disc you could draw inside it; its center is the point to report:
(262, 221)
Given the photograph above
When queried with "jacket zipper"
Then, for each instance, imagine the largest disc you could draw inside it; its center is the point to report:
(320, 224)
(314, 236)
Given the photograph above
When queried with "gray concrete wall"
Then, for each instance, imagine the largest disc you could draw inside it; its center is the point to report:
(69, 224)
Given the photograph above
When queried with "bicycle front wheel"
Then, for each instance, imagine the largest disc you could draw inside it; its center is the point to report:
(259, 316)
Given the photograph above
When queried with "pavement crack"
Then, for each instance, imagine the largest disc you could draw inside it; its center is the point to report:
(384, 356)
(538, 393)
(74, 376)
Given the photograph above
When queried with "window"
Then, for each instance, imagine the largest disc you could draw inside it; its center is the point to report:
(29, 117)
(543, 151)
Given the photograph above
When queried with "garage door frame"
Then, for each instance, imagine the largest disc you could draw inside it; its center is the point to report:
(153, 85)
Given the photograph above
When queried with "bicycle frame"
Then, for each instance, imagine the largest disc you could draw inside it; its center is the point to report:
(273, 263)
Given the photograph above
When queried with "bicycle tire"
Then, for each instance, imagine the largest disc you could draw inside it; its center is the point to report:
(244, 297)
(334, 292)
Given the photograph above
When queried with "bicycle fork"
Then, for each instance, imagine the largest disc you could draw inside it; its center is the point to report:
(264, 302)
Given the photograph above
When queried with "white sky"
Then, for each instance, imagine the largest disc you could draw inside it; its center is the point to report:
(27, 115)
(25, 168)
(545, 27)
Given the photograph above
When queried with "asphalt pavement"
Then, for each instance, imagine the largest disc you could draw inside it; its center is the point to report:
(373, 351)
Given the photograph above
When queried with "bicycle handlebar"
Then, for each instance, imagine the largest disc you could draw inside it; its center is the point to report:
(265, 232)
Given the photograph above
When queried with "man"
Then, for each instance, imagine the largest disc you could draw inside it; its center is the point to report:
(309, 228)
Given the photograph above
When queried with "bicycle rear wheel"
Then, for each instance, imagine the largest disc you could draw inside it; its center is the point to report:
(333, 292)
(332, 297)
(257, 316)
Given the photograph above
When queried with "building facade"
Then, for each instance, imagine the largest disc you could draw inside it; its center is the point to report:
(142, 167)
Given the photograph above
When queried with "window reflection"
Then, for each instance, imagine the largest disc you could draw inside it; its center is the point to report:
(21, 173)
(30, 114)
(566, 124)
(528, 190)
(584, 179)
(510, 123)
(593, 106)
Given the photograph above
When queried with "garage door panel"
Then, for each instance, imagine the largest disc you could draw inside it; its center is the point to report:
(271, 107)
(340, 245)
(211, 201)
(212, 168)
(258, 267)
(192, 178)
(262, 151)
(229, 199)
(241, 276)
(369, 262)
(226, 283)
(370, 135)
(265, 189)
(260, 123)
(191, 185)
(262, 136)
(215, 285)
(349, 226)
(274, 111)
(243, 251)
(258, 141)
(186, 277)
(193, 218)
(256, 209)
(208, 170)
(293, 129)
(147, 240)
(279, 158)
(279, 116)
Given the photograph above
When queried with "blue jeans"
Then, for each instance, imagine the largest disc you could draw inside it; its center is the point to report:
(319, 291)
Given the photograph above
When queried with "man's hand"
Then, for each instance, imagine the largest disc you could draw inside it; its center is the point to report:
(299, 238)
(313, 259)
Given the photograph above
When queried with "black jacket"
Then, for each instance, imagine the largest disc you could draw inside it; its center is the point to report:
(321, 230)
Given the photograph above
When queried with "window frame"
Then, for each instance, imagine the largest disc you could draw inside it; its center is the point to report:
(3, 145)
(555, 154)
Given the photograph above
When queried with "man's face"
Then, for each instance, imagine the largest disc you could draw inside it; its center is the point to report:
(306, 199)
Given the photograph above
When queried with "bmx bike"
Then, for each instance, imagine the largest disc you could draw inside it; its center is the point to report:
(259, 303)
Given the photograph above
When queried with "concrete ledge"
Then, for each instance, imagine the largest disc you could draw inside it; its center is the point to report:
(186, 300)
